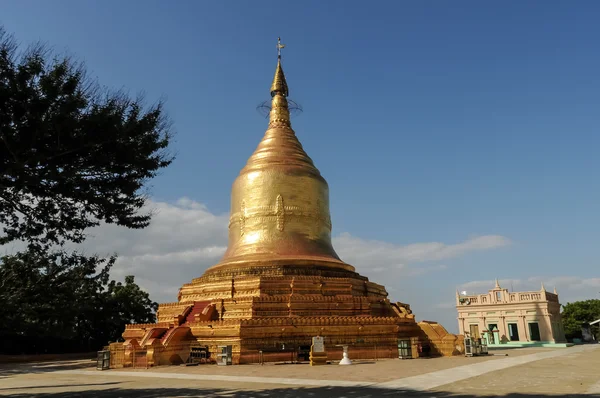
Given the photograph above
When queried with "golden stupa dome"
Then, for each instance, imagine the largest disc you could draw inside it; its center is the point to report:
(280, 202)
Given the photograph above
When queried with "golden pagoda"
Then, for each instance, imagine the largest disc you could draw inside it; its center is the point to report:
(280, 282)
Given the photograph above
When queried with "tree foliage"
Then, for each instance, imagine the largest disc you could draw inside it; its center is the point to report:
(61, 302)
(72, 154)
(579, 312)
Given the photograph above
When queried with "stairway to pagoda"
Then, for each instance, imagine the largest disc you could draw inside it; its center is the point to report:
(166, 334)
(197, 308)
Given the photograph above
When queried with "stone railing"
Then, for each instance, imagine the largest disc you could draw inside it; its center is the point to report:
(148, 325)
(525, 297)
(468, 300)
(517, 297)
(174, 304)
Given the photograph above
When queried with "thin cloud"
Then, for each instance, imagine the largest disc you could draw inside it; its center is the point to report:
(373, 254)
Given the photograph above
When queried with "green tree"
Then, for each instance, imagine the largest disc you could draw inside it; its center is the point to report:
(72, 154)
(125, 303)
(576, 313)
(60, 302)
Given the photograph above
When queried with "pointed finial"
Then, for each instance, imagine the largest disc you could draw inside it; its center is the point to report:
(279, 47)
(497, 284)
(543, 287)
(279, 84)
(555, 292)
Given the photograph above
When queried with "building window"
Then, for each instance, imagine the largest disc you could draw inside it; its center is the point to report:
(513, 332)
(534, 331)
(498, 296)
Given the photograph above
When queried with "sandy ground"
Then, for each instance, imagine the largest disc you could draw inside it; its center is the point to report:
(570, 373)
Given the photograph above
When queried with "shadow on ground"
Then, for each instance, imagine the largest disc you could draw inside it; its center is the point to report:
(312, 392)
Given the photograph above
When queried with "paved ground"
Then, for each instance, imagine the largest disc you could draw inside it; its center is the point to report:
(524, 372)
(577, 372)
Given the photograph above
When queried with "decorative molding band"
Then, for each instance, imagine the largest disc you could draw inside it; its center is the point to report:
(280, 214)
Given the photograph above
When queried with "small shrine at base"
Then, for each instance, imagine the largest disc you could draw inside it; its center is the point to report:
(318, 355)
(280, 282)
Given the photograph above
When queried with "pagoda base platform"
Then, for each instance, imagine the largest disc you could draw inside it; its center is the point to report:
(283, 340)
(270, 314)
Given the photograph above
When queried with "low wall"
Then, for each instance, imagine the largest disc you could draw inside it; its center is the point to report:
(334, 353)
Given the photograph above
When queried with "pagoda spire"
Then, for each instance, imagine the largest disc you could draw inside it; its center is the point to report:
(543, 287)
(280, 113)
(280, 145)
(497, 284)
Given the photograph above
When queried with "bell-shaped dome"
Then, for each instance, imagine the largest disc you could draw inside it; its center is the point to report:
(280, 202)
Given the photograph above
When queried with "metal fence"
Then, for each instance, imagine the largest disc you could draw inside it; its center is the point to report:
(117, 355)
(362, 352)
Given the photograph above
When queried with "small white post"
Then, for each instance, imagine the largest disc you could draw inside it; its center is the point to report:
(345, 360)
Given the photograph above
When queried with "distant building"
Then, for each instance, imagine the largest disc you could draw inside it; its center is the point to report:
(503, 316)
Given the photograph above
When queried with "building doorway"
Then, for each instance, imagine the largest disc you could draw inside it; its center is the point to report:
(474, 330)
(491, 328)
(534, 331)
(513, 332)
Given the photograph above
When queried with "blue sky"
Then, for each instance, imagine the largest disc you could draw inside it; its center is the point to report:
(431, 121)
